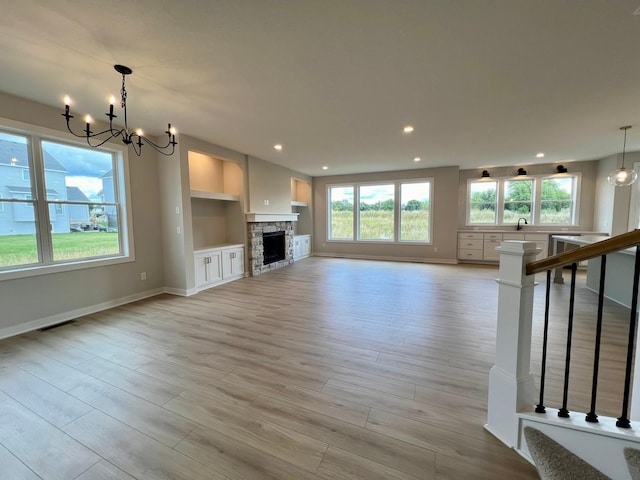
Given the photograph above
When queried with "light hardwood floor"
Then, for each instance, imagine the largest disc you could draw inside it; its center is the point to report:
(327, 369)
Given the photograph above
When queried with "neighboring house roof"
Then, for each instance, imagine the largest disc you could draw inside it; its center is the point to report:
(10, 150)
(16, 189)
(109, 174)
(75, 195)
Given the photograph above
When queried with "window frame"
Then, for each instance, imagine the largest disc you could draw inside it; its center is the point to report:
(46, 265)
(536, 199)
(397, 183)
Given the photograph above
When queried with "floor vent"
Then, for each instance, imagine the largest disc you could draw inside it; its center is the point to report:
(44, 329)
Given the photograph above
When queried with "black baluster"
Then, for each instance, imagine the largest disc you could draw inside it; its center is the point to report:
(623, 421)
(540, 407)
(591, 416)
(563, 412)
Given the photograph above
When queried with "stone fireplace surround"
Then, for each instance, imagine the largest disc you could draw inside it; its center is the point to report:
(256, 248)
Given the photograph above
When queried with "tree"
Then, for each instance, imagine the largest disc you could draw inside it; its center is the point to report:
(412, 205)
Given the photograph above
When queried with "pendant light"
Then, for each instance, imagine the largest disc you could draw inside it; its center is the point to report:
(622, 177)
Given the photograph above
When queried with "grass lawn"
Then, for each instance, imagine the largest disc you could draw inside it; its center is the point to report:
(23, 250)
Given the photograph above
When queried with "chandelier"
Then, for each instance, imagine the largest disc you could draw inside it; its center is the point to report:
(134, 138)
(622, 177)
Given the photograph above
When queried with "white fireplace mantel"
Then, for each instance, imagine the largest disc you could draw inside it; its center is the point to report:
(271, 217)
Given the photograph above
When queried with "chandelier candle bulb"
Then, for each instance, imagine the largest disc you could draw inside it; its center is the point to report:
(88, 119)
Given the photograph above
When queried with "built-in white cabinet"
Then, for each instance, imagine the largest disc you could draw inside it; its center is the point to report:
(217, 265)
(481, 246)
(301, 246)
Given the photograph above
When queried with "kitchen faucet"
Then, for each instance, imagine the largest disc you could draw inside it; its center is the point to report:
(520, 227)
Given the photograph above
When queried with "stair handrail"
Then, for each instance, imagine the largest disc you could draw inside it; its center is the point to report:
(604, 247)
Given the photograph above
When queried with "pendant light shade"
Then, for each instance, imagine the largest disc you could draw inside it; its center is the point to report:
(622, 177)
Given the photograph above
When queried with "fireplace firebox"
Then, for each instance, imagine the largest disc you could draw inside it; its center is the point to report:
(274, 247)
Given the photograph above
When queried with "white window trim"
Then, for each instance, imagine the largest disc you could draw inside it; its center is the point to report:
(123, 191)
(396, 212)
(536, 204)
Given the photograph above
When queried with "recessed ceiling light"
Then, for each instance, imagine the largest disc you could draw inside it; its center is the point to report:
(417, 159)
(324, 167)
(277, 146)
(408, 129)
(540, 155)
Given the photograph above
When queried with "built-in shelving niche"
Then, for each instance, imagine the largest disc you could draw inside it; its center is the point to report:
(216, 211)
(301, 204)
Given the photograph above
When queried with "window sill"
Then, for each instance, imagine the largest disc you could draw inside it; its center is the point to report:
(38, 270)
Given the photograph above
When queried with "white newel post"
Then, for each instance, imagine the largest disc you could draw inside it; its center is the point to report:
(511, 385)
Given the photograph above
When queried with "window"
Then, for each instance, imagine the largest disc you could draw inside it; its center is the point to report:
(377, 208)
(341, 213)
(557, 200)
(414, 212)
(542, 200)
(390, 212)
(483, 197)
(1, 202)
(518, 200)
(73, 212)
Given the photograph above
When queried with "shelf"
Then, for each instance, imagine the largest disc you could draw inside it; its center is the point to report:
(214, 196)
(295, 203)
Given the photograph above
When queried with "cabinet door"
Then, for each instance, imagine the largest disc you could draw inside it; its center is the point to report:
(232, 263)
(214, 271)
(306, 247)
(207, 268)
(201, 262)
(297, 247)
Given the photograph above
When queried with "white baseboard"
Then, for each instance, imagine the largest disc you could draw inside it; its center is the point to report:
(179, 291)
(70, 315)
(446, 261)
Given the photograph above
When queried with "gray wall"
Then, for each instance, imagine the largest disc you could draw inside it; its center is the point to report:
(50, 296)
(445, 218)
(268, 182)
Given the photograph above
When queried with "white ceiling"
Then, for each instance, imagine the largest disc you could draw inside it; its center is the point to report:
(484, 82)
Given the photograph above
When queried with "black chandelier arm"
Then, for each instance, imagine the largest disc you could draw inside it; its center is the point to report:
(162, 149)
(155, 145)
(112, 134)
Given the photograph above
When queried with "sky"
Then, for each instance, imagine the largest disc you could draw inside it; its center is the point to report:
(85, 166)
(375, 193)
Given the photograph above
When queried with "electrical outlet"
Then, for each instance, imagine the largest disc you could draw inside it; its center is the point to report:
(143, 276)
(178, 230)
(435, 249)
(177, 210)
(266, 202)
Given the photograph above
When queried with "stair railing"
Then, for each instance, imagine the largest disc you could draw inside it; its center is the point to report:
(511, 384)
(572, 258)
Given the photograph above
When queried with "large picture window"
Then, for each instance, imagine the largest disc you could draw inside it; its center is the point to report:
(390, 212)
(61, 205)
(542, 200)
